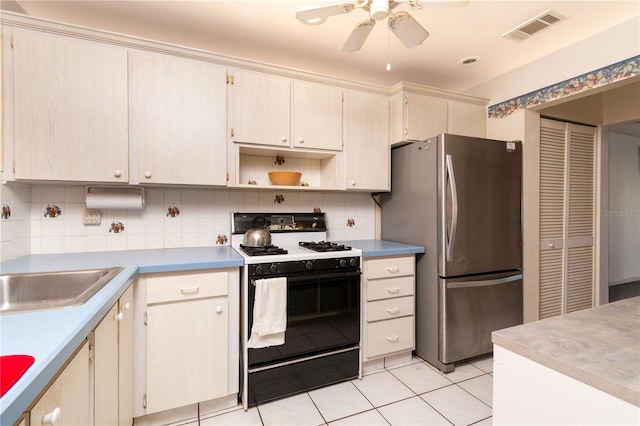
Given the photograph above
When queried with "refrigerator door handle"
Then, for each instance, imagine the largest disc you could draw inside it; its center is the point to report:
(454, 206)
(467, 284)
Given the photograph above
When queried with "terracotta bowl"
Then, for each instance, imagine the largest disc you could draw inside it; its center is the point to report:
(285, 178)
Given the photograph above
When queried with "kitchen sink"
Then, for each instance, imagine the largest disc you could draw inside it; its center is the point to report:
(47, 290)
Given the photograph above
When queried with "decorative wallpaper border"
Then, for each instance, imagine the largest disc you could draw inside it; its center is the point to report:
(588, 81)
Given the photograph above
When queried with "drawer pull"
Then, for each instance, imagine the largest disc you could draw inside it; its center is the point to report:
(392, 339)
(190, 290)
(119, 316)
(393, 311)
(393, 290)
(393, 270)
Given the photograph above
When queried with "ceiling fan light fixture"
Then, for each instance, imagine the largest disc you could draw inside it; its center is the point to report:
(407, 29)
(379, 9)
(358, 36)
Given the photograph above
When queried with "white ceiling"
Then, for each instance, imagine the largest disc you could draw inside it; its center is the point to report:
(267, 31)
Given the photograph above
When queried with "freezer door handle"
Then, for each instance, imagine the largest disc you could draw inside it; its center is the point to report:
(454, 208)
(484, 283)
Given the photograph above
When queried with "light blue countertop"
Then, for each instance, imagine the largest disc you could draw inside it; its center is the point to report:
(378, 248)
(52, 336)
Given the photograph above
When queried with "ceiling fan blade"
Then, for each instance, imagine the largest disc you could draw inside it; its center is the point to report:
(358, 36)
(313, 14)
(407, 29)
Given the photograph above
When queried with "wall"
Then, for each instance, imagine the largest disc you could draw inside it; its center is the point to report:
(204, 215)
(608, 47)
(624, 208)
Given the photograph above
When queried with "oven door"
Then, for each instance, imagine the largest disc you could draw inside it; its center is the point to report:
(323, 315)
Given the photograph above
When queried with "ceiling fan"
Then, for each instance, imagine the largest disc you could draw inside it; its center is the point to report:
(403, 25)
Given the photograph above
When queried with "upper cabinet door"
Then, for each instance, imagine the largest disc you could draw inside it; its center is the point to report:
(467, 119)
(178, 120)
(367, 149)
(261, 109)
(425, 116)
(70, 107)
(317, 116)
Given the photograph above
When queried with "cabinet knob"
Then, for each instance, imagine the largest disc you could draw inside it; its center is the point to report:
(393, 290)
(219, 309)
(126, 306)
(283, 139)
(301, 140)
(119, 316)
(117, 173)
(393, 311)
(52, 418)
(551, 245)
(393, 339)
(393, 269)
(147, 174)
(353, 183)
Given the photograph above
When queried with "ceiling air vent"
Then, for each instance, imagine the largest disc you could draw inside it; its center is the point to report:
(532, 26)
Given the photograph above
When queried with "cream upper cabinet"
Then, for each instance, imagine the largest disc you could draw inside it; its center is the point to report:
(276, 111)
(467, 119)
(366, 141)
(261, 109)
(70, 109)
(416, 116)
(317, 116)
(67, 401)
(178, 119)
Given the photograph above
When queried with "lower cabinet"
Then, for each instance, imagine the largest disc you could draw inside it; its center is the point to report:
(388, 306)
(185, 350)
(113, 361)
(68, 399)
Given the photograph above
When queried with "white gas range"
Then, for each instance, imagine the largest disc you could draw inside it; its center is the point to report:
(322, 338)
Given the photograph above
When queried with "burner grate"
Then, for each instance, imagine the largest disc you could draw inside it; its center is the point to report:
(323, 246)
(263, 251)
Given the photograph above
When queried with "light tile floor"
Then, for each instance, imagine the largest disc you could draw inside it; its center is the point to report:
(411, 394)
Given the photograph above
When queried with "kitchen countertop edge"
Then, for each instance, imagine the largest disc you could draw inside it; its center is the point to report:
(577, 345)
(380, 248)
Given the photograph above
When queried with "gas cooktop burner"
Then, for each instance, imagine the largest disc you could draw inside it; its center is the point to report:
(263, 251)
(323, 246)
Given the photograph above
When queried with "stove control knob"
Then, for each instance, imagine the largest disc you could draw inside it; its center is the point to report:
(343, 263)
(273, 268)
(308, 265)
(353, 261)
(259, 270)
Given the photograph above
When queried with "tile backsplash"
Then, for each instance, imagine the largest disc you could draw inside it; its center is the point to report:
(49, 219)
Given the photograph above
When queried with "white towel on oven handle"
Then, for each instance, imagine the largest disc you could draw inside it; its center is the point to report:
(269, 313)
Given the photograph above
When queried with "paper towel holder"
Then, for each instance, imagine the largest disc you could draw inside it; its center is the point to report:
(109, 197)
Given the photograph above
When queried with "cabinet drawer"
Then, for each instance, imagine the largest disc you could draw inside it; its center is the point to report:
(385, 337)
(171, 287)
(386, 289)
(389, 267)
(390, 308)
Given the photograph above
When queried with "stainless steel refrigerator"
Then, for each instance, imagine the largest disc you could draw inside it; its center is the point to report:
(459, 197)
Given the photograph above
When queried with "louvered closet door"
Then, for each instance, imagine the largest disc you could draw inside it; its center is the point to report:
(552, 207)
(581, 211)
(566, 217)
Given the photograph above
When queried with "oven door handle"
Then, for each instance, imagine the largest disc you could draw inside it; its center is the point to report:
(306, 277)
